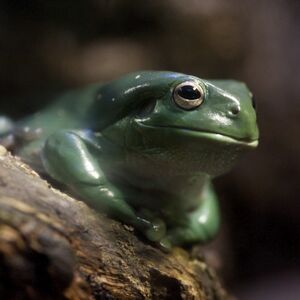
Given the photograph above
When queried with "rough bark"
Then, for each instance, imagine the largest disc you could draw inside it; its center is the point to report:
(55, 247)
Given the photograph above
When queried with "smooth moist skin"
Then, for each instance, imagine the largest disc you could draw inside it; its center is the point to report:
(144, 148)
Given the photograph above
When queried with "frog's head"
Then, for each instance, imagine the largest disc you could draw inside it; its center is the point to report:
(193, 123)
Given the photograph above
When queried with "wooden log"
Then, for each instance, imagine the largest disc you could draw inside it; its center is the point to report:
(55, 247)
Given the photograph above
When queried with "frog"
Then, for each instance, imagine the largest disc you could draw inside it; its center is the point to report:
(143, 149)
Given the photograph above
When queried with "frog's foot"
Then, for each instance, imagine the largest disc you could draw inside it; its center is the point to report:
(6, 125)
(182, 236)
(199, 226)
(152, 227)
(6, 137)
(156, 230)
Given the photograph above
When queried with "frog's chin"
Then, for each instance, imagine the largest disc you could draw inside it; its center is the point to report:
(216, 137)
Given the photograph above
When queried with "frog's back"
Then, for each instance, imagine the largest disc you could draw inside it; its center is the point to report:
(70, 110)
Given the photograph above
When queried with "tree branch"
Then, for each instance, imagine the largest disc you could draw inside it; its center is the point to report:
(55, 247)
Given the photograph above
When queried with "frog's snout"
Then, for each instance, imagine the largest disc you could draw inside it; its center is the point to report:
(232, 119)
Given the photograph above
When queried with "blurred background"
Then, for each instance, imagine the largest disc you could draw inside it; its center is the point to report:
(46, 46)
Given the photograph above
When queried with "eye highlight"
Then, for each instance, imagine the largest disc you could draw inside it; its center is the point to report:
(188, 95)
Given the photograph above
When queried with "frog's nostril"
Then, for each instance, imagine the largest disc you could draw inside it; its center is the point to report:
(234, 110)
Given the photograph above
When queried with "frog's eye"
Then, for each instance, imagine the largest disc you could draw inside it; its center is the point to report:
(188, 95)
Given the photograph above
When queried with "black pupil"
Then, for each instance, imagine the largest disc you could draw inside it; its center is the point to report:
(189, 92)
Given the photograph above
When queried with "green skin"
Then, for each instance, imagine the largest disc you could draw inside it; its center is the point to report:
(130, 151)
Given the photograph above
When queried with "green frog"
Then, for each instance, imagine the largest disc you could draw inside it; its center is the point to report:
(143, 148)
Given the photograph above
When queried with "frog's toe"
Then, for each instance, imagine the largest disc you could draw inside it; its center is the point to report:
(156, 231)
(6, 125)
(165, 244)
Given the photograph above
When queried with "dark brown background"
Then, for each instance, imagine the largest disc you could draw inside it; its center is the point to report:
(49, 45)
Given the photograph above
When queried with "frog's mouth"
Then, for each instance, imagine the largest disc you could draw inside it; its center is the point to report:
(248, 142)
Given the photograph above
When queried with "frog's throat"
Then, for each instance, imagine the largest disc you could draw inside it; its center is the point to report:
(207, 135)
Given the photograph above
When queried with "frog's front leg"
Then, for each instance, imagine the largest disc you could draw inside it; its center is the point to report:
(200, 225)
(68, 159)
